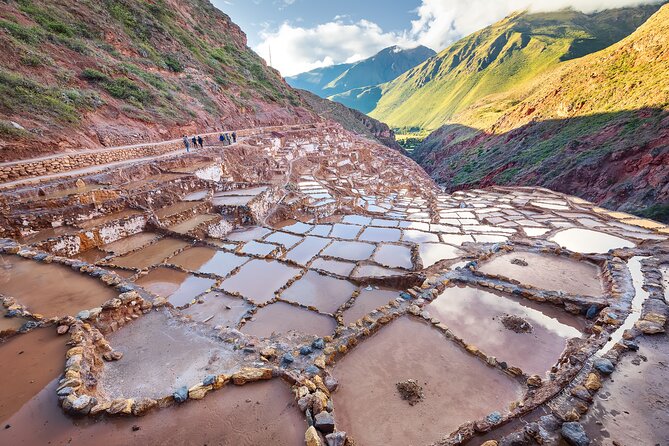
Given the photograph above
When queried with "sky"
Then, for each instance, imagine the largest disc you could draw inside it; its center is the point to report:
(308, 34)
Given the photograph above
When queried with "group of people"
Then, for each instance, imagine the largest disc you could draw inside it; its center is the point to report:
(196, 140)
(226, 138)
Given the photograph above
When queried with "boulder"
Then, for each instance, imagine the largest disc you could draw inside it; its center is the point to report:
(324, 422)
(574, 434)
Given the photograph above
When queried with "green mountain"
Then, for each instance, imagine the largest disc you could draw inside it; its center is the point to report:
(497, 60)
(382, 67)
(87, 73)
(596, 127)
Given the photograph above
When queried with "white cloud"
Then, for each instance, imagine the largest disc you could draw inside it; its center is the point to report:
(296, 49)
(439, 23)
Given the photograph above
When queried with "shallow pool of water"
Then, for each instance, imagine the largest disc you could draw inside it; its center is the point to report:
(320, 291)
(178, 287)
(208, 260)
(259, 279)
(586, 241)
(281, 317)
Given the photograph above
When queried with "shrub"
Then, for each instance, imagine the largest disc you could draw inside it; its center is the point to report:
(27, 34)
(172, 63)
(93, 75)
(124, 88)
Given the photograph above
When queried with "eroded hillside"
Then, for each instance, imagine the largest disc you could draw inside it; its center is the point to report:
(99, 73)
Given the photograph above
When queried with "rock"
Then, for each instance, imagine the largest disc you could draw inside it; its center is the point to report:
(592, 382)
(83, 315)
(592, 312)
(574, 434)
(410, 391)
(62, 329)
(331, 383)
(494, 418)
(311, 370)
(582, 393)
(490, 443)
(632, 345)
(649, 327)
(143, 405)
(324, 422)
(288, 358)
(516, 323)
(198, 391)
(604, 366)
(312, 438)
(251, 374)
(336, 439)
(181, 394)
(318, 344)
(209, 380)
(121, 407)
(83, 404)
(534, 381)
(305, 350)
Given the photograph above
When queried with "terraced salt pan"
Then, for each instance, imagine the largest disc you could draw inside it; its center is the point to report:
(281, 317)
(104, 219)
(349, 250)
(178, 287)
(370, 409)
(586, 241)
(208, 261)
(334, 266)
(161, 354)
(367, 301)
(345, 231)
(370, 270)
(46, 234)
(283, 239)
(218, 310)
(259, 279)
(554, 273)
(431, 253)
(248, 234)
(320, 291)
(307, 250)
(51, 289)
(373, 234)
(149, 255)
(258, 248)
(475, 316)
(394, 256)
(186, 226)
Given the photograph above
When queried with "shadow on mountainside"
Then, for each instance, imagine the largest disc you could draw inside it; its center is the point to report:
(619, 160)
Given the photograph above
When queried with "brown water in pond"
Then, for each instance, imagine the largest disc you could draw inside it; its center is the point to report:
(457, 386)
(176, 208)
(380, 235)
(208, 260)
(10, 324)
(254, 414)
(369, 300)
(51, 289)
(281, 317)
(349, 250)
(92, 255)
(554, 273)
(333, 266)
(218, 309)
(475, 316)
(231, 200)
(323, 292)
(150, 255)
(45, 234)
(131, 243)
(632, 408)
(186, 226)
(259, 279)
(178, 287)
(29, 362)
(394, 256)
(307, 250)
(161, 354)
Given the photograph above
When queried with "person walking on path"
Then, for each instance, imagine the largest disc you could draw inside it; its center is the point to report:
(199, 141)
(194, 141)
(186, 143)
(221, 138)
(234, 136)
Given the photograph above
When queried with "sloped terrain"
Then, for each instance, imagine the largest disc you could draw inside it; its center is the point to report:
(338, 82)
(597, 127)
(505, 56)
(90, 73)
(351, 119)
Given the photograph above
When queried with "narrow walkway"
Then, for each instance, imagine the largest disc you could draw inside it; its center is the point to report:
(100, 167)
